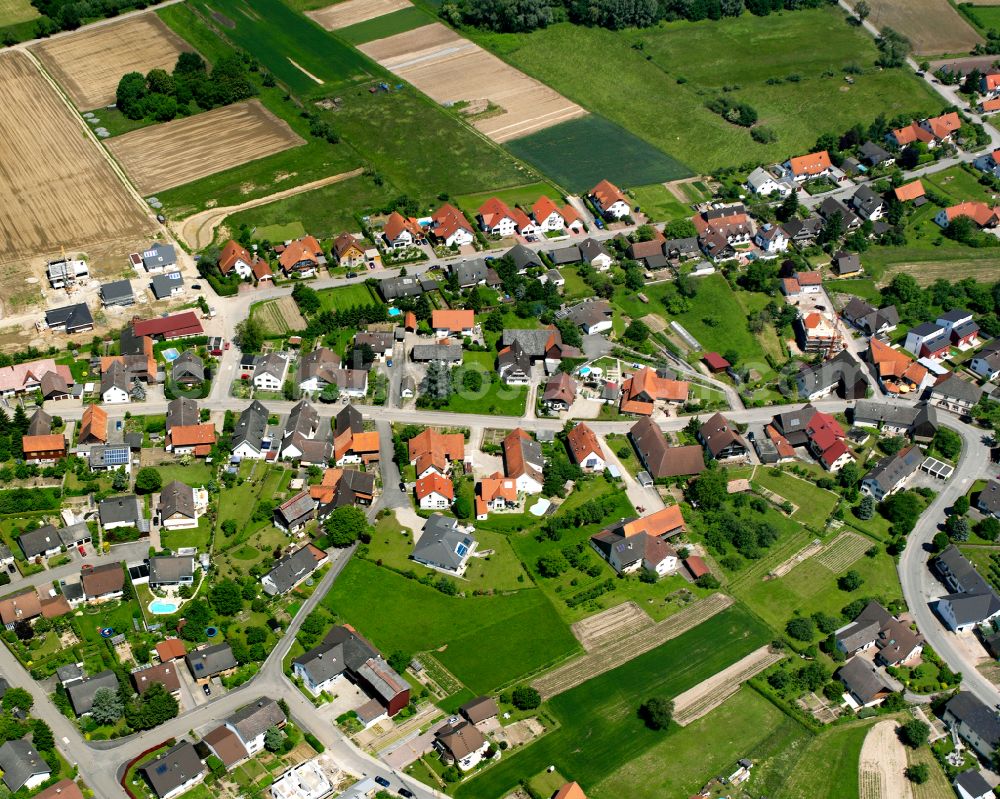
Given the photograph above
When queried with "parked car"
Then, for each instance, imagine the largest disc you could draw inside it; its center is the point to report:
(382, 781)
(196, 286)
(207, 689)
(82, 549)
(388, 362)
(352, 274)
(405, 792)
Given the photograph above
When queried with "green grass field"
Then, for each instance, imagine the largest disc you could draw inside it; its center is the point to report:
(600, 731)
(659, 204)
(664, 75)
(828, 768)
(296, 50)
(984, 17)
(486, 642)
(406, 19)
(281, 232)
(814, 504)
(811, 587)
(14, 11)
(496, 398)
(580, 152)
(745, 725)
(352, 296)
(524, 196)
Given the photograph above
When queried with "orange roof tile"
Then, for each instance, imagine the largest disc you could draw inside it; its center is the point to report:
(455, 321)
(543, 209)
(434, 483)
(991, 105)
(410, 321)
(656, 524)
(571, 790)
(170, 649)
(809, 278)
(494, 211)
(978, 212)
(910, 191)
(192, 434)
(231, 253)
(304, 249)
(946, 124)
(432, 448)
(397, 223)
(583, 441)
(46, 443)
(811, 164)
(607, 194)
(447, 220)
(94, 423)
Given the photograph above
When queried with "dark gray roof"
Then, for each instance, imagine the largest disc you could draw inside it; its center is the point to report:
(341, 650)
(955, 315)
(973, 783)
(81, 693)
(592, 248)
(72, 317)
(353, 482)
(972, 608)
(71, 671)
(513, 357)
(302, 420)
(256, 719)
(523, 257)
(846, 263)
(470, 272)
(115, 376)
(590, 312)
(159, 256)
(927, 330)
(210, 660)
(170, 770)
(41, 422)
(188, 366)
(163, 285)
(867, 200)
(75, 532)
(170, 568)
(349, 418)
(989, 497)
(841, 371)
(954, 387)
(35, 542)
(861, 678)
(270, 364)
(892, 470)
(116, 291)
(865, 627)
(874, 154)
(979, 717)
(405, 286)
(20, 762)
(123, 508)
(688, 246)
(962, 575)
(531, 341)
(441, 541)
(251, 426)
(289, 570)
(566, 255)
(451, 353)
(104, 455)
(182, 412)
(895, 415)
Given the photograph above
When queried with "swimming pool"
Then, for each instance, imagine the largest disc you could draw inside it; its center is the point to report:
(163, 607)
(170, 355)
(584, 371)
(394, 312)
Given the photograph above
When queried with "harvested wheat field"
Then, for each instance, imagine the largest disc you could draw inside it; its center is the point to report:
(703, 698)
(450, 69)
(882, 762)
(164, 156)
(59, 189)
(933, 26)
(88, 64)
(350, 12)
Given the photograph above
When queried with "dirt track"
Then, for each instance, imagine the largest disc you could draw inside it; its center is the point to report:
(341, 15)
(450, 68)
(88, 64)
(709, 694)
(613, 653)
(881, 765)
(174, 153)
(59, 188)
(198, 230)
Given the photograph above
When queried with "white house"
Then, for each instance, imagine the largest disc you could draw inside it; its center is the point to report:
(987, 361)
(115, 385)
(269, 372)
(586, 449)
(990, 162)
(434, 492)
(610, 200)
(771, 239)
(252, 722)
(497, 219)
(762, 182)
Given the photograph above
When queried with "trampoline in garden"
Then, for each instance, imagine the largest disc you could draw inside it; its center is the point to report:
(107, 632)
(211, 632)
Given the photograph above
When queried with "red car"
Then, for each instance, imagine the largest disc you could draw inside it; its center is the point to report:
(82, 549)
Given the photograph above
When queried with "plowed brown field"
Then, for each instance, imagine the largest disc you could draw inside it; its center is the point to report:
(174, 153)
(57, 186)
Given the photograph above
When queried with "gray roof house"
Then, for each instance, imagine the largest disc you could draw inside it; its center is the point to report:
(22, 765)
(292, 569)
(167, 285)
(846, 263)
(74, 535)
(406, 286)
(872, 320)
(524, 258)
(989, 499)
(70, 318)
(972, 601)
(41, 422)
(469, 273)
(182, 412)
(249, 431)
(121, 511)
(448, 353)
(171, 570)
(919, 421)
(251, 722)
(841, 374)
(188, 369)
(977, 723)
(81, 693)
(159, 256)
(867, 203)
(953, 393)
(43, 541)
(443, 546)
(864, 683)
(594, 253)
(565, 255)
(891, 472)
(875, 155)
(177, 500)
(174, 771)
(210, 660)
(117, 293)
(972, 785)
(861, 633)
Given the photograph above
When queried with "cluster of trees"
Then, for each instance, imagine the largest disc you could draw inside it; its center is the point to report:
(590, 512)
(742, 114)
(162, 95)
(552, 564)
(893, 48)
(657, 712)
(345, 526)
(518, 16)
(748, 536)
(66, 15)
(11, 430)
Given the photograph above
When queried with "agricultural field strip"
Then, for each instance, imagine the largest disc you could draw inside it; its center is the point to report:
(786, 566)
(280, 316)
(616, 652)
(881, 765)
(610, 625)
(74, 200)
(89, 63)
(785, 550)
(933, 26)
(707, 695)
(844, 550)
(343, 15)
(178, 152)
(449, 68)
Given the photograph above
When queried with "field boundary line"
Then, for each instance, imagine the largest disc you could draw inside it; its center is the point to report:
(618, 652)
(703, 698)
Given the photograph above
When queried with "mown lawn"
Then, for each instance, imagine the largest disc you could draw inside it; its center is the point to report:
(493, 397)
(828, 769)
(196, 473)
(814, 504)
(660, 205)
(200, 536)
(486, 642)
(679, 65)
(344, 297)
(745, 725)
(600, 730)
(405, 19)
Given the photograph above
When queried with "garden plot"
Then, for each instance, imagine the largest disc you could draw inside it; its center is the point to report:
(611, 625)
(174, 153)
(881, 765)
(89, 63)
(786, 566)
(622, 650)
(451, 69)
(280, 316)
(65, 193)
(843, 551)
(341, 15)
(709, 694)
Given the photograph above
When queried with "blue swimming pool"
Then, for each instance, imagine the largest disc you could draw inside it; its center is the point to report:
(163, 607)
(170, 355)
(394, 312)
